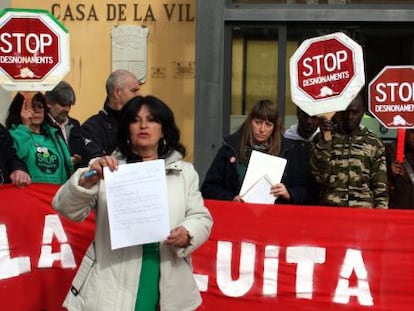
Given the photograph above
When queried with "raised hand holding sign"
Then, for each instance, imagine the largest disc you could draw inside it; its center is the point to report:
(34, 50)
(326, 73)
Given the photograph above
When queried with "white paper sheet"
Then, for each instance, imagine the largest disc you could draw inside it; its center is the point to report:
(136, 195)
(261, 164)
(260, 192)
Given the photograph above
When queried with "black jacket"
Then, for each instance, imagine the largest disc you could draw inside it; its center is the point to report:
(76, 142)
(298, 178)
(9, 161)
(401, 189)
(101, 132)
(222, 181)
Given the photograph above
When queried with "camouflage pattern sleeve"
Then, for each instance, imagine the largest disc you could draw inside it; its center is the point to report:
(319, 159)
(379, 179)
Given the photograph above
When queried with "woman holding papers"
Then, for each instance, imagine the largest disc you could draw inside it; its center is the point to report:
(154, 276)
(261, 131)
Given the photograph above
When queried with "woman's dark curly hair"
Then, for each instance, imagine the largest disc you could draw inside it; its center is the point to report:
(160, 113)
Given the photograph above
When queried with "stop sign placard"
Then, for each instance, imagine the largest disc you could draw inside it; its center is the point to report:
(34, 50)
(391, 96)
(326, 73)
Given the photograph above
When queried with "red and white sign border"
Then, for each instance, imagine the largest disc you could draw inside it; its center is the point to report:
(333, 103)
(374, 80)
(57, 73)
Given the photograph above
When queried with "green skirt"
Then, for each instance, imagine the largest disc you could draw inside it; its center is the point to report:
(148, 295)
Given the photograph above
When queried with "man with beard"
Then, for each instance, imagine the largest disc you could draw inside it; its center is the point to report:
(351, 166)
(400, 174)
(296, 145)
(59, 102)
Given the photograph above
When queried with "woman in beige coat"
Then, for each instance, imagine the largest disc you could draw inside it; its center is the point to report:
(155, 276)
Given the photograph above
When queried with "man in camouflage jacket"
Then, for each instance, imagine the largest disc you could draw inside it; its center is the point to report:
(351, 166)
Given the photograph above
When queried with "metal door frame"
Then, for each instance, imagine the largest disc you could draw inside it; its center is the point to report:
(214, 20)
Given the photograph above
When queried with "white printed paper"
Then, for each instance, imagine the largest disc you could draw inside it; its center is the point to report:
(261, 164)
(136, 195)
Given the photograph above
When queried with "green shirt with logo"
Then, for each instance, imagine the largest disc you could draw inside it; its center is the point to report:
(46, 155)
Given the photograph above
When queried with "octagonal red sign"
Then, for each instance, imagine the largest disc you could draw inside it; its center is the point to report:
(326, 73)
(325, 68)
(391, 96)
(34, 50)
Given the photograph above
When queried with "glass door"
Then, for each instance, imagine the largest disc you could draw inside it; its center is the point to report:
(260, 53)
(254, 69)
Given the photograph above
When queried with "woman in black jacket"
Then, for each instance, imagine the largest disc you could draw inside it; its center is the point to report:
(12, 169)
(261, 131)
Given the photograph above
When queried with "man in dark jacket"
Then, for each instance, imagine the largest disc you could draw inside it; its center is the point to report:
(400, 174)
(101, 130)
(296, 147)
(12, 169)
(59, 103)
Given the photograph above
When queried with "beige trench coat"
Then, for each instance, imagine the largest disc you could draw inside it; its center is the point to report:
(108, 279)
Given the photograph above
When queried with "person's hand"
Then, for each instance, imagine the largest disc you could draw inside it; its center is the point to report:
(20, 178)
(26, 113)
(238, 198)
(97, 167)
(279, 190)
(76, 158)
(179, 237)
(397, 168)
(325, 124)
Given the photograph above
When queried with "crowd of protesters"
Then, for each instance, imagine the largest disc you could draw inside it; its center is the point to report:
(41, 142)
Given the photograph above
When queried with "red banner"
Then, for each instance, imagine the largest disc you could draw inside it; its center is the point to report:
(39, 250)
(259, 257)
(265, 257)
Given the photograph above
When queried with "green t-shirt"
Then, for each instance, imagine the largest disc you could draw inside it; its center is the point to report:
(148, 295)
(46, 155)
